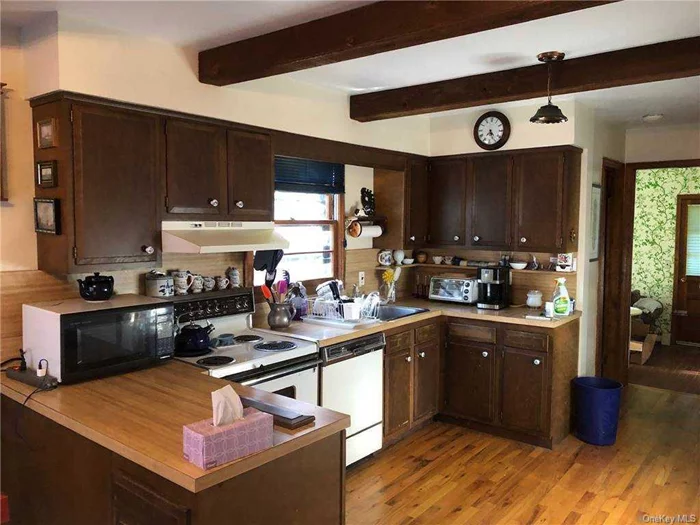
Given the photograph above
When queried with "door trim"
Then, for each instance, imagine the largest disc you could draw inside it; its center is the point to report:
(678, 254)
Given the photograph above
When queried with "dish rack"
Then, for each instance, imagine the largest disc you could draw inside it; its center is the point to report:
(325, 310)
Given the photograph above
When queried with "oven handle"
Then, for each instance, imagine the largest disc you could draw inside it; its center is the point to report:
(281, 373)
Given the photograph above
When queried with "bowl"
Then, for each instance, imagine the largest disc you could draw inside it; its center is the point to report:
(437, 259)
(518, 265)
(407, 261)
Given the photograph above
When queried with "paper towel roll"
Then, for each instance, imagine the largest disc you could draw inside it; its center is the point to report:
(371, 232)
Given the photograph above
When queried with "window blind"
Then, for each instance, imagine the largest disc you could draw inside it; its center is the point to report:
(309, 176)
(692, 264)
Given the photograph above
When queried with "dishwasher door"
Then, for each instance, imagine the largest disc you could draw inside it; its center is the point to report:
(355, 387)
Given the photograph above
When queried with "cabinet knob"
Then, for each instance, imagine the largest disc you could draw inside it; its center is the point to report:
(214, 202)
(239, 204)
(408, 359)
(412, 238)
(484, 354)
(523, 240)
(455, 238)
(421, 354)
(536, 362)
(476, 238)
(150, 250)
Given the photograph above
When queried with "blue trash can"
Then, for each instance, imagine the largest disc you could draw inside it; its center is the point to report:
(597, 408)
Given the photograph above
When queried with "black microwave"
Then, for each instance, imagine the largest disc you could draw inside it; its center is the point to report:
(82, 340)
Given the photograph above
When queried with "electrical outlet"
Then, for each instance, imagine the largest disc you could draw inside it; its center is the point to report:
(361, 279)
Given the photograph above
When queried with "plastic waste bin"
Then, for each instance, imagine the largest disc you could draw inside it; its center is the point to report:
(597, 409)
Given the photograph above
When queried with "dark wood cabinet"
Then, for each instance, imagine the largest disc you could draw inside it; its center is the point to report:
(470, 373)
(136, 504)
(397, 391)
(417, 198)
(539, 202)
(490, 189)
(195, 181)
(447, 181)
(524, 387)
(426, 376)
(251, 179)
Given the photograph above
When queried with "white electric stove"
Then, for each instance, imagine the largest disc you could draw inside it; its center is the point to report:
(279, 364)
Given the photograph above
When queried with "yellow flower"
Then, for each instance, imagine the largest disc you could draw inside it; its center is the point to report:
(388, 276)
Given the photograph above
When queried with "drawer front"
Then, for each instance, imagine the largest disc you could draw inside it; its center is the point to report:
(528, 340)
(427, 333)
(398, 341)
(479, 334)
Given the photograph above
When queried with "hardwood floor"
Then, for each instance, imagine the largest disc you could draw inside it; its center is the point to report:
(452, 475)
(675, 367)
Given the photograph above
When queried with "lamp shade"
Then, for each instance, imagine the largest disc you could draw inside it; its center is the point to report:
(549, 114)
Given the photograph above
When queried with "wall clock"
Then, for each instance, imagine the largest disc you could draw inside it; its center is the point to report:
(492, 130)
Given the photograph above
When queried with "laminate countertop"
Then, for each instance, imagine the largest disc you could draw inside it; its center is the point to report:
(328, 335)
(140, 415)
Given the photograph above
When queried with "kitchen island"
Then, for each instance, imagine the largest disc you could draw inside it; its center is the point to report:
(110, 451)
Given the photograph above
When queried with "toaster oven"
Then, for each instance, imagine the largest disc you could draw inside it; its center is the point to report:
(454, 289)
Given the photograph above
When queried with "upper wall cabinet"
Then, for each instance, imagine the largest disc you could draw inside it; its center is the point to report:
(251, 179)
(447, 181)
(490, 184)
(417, 199)
(195, 181)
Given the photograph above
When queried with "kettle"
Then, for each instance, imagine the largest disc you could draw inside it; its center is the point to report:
(96, 287)
(192, 339)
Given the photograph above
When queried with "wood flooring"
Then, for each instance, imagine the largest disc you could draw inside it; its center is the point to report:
(452, 475)
(675, 367)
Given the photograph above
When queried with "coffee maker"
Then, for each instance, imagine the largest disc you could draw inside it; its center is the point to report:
(494, 288)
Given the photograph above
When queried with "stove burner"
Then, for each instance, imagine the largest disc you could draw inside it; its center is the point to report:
(192, 353)
(275, 346)
(215, 360)
(247, 338)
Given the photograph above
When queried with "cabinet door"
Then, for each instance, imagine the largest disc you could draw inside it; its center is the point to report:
(490, 201)
(195, 169)
(470, 375)
(426, 378)
(417, 212)
(524, 390)
(397, 391)
(251, 179)
(447, 181)
(116, 157)
(539, 210)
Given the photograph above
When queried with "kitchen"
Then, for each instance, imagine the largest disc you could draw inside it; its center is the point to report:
(175, 225)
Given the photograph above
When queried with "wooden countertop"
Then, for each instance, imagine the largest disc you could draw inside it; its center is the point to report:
(329, 335)
(140, 415)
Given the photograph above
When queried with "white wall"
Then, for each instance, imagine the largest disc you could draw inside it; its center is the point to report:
(356, 178)
(17, 237)
(453, 132)
(659, 143)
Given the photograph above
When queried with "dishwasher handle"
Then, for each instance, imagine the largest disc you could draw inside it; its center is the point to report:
(277, 374)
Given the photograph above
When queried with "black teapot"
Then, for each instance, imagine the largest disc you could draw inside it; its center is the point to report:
(192, 340)
(96, 287)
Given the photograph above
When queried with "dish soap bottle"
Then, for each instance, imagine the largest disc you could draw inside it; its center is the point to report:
(561, 298)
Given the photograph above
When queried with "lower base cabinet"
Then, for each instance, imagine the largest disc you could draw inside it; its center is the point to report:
(412, 363)
(470, 374)
(524, 390)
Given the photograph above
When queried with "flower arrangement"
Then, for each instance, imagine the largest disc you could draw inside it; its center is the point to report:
(388, 276)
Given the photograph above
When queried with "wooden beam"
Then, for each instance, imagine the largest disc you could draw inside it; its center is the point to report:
(367, 30)
(637, 65)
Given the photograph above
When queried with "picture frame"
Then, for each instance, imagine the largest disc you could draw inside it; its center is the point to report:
(594, 238)
(47, 174)
(46, 133)
(47, 216)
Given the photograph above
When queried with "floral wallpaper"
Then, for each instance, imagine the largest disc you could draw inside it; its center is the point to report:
(655, 232)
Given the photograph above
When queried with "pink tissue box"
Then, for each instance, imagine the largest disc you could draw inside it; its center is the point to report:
(208, 446)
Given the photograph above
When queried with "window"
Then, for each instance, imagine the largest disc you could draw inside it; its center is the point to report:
(310, 222)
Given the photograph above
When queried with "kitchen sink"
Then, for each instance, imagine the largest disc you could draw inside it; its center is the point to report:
(390, 312)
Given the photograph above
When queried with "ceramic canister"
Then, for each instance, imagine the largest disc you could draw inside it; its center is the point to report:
(159, 285)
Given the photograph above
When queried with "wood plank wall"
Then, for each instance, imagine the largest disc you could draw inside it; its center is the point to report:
(17, 288)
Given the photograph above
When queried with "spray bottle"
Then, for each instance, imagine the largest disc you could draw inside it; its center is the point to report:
(561, 298)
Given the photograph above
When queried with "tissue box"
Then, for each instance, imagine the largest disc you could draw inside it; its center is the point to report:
(208, 446)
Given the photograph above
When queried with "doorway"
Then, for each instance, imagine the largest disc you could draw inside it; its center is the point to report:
(685, 318)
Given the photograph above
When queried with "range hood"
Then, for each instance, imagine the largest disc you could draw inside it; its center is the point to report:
(220, 237)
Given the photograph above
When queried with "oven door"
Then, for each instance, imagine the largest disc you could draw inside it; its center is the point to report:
(298, 382)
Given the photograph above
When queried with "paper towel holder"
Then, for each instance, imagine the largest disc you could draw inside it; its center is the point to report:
(355, 226)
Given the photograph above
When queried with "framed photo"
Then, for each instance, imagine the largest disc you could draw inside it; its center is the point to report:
(47, 174)
(46, 133)
(594, 245)
(47, 216)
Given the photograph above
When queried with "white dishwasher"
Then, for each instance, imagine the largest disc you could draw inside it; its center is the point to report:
(352, 382)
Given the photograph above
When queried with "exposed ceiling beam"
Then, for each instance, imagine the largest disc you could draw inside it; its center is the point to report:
(367, 30)
(636, 65)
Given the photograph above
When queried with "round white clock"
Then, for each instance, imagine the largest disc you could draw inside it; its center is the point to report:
(492, 130)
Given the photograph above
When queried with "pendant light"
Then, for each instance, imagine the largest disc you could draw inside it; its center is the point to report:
(549, 114)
